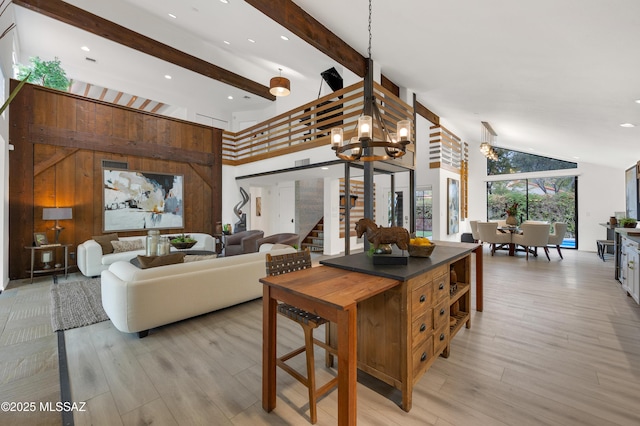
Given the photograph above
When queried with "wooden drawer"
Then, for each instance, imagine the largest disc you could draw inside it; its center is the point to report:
(421, 329)
(441, 314)
(421, 300)
(422, 356)
(440, 339)
(441, 288)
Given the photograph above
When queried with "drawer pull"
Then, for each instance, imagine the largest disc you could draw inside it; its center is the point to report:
(423, 327)
(423, 357)
(442, 311)
(422, 298)
(442, 337)
(441, 287)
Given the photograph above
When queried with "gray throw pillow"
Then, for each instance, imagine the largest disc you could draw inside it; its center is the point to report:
(127, 245)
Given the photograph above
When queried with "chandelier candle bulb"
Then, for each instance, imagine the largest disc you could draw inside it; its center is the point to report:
(364, 126)
(404, 130)
(337, 136)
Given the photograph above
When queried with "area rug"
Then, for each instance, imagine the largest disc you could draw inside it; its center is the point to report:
(76, 304)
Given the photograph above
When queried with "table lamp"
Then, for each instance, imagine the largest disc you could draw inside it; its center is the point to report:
(57, 213)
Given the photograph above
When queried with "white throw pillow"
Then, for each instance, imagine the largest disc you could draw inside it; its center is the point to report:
(127, 245)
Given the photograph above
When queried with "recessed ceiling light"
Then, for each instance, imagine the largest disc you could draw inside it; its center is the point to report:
(224, 1)
(285, 38)
(85, 48)
(627, 125)
(251, 40)
(226, 42)
(171, 15)
(324, 168)
(229, 97)
(638, 101)
(167, 76)
(577, 158)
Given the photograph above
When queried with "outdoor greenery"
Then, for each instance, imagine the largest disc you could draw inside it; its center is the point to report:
(44, 73)
(545, 199)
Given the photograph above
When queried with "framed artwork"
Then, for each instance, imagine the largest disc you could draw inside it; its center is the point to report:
(40, 239)
(453, 206)
(134, 200)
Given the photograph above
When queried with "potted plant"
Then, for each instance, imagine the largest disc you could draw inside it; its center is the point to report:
(183, 242)
(628, 222)
(512, 211)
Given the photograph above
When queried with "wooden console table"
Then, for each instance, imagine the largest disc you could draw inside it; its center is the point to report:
(52, 248)
(391, 321)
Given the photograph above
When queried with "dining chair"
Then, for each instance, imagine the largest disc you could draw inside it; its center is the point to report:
(557, 235)
(474, 230)
(488, 233)
(533, 235)
(282, 264)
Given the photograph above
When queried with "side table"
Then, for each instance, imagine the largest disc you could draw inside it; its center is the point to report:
(49, 247)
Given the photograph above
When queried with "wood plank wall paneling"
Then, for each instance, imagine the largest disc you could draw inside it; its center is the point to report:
(60, 141)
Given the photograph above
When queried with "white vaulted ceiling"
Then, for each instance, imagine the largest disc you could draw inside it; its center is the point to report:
(552, 77)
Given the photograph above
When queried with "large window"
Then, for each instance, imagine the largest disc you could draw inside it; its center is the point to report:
(550, 199)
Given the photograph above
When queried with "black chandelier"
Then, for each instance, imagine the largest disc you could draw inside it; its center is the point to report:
(365, 147)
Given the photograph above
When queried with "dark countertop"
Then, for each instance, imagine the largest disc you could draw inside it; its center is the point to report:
(441, 255)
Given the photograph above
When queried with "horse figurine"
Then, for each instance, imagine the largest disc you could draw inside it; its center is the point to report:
(379, 235)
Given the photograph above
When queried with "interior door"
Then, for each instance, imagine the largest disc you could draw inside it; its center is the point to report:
(287, 209)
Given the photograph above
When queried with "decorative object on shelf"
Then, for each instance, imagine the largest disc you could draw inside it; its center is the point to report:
(613, 221)
(183, 242)
(153, 238)
(57, 214)
(279, 86)
(218, 227)
(378, 235)
(628, 222)
(47, 257)
(226, 229)
(512, 211)
(365, 147)
(40, 239)
(453, 276)
(487, 135)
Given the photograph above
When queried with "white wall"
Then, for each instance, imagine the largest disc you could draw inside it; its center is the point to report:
(6, 72)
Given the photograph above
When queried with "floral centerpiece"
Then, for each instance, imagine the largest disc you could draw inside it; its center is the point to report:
(512, 212)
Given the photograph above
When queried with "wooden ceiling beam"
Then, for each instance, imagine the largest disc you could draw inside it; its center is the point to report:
(94, 24)
(295, 19)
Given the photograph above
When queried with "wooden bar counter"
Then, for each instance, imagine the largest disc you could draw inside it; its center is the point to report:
(391, 321)
(402, 331)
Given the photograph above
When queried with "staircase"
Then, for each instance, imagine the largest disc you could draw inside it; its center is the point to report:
(315, 239)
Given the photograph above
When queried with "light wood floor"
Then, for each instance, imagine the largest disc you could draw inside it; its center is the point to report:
(558, 343)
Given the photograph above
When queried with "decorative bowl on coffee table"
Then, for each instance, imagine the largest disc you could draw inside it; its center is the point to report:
(184, 246)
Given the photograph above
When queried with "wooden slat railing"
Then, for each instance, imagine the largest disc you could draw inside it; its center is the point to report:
(309, 125)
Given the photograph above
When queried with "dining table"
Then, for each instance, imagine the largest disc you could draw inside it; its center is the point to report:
(512, 230)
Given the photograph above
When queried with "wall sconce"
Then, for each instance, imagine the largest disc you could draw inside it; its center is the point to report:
(57, 213)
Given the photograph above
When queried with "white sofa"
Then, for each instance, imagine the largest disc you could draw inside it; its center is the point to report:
(137, 300)
(92, 262)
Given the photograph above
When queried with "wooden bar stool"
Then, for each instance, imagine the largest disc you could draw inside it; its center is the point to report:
(282, 264)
